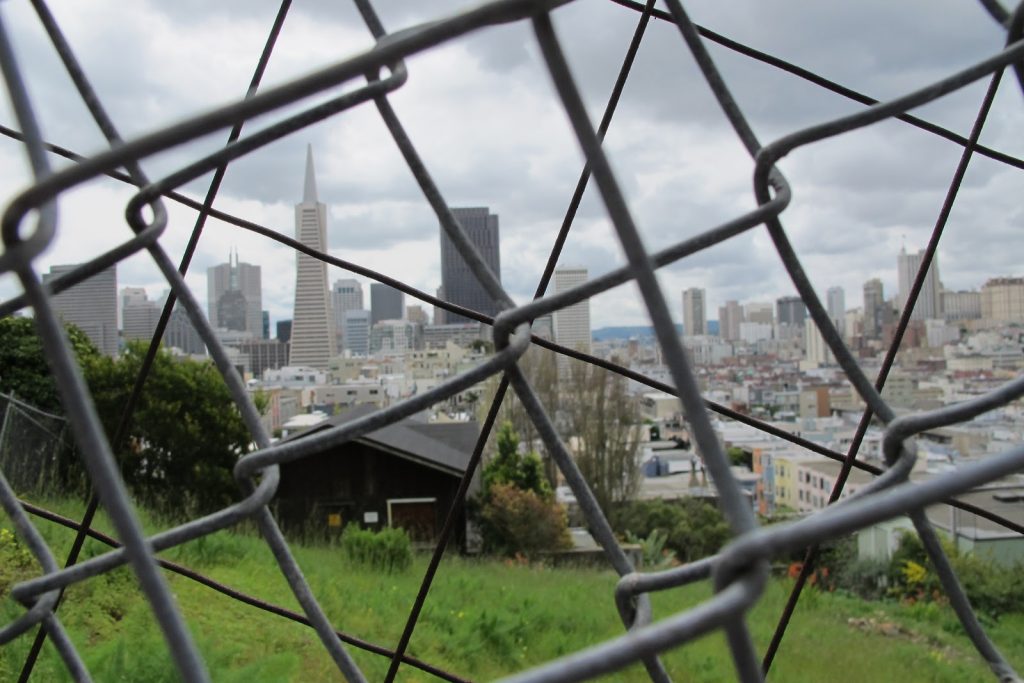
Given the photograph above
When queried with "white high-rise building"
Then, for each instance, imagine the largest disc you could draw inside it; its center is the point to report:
(314, 337)
(695, 312)
(836, 305)
(929, 301)
(90, 305)
(572, 323)
(234, 296)
(816, 350)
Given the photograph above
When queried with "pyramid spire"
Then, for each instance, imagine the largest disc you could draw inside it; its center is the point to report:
(309, 190)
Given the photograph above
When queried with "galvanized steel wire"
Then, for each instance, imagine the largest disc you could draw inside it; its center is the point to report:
(739, 572)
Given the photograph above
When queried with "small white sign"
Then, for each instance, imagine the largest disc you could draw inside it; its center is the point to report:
(370, 518)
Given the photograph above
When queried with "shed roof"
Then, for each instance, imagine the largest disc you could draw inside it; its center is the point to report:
(445, 445)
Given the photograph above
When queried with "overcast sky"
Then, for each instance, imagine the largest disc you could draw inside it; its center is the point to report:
(485, 118)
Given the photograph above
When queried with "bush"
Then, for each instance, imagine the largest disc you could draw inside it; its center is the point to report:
(520, 521)
(695, 528)
(993, 589)
(388, 550)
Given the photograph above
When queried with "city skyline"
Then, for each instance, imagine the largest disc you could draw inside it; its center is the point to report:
(481, 155)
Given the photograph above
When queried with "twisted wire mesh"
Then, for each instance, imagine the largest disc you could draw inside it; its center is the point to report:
(739, 572)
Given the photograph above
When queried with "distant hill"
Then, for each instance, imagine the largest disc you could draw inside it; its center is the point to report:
(625, 332)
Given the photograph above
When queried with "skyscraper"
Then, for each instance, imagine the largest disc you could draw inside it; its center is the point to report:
(313, 335)
(346, 295)
(695, 317)
(386, 303)
(791, 313)
(91, 305)
(139, 315)
(730, 316)
(572, 323)
(836, 305)
(874, 305)
(458, 283)
(356, 331)
(235, 296)
(929, 301)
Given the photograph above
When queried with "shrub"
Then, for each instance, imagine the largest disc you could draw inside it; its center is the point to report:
(520, 521)
(388, 550)
(695, 528)
(993, 589)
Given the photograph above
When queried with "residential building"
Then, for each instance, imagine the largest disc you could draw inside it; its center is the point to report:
(963, 305)
(460, 286)
(91, 305)
(313, 336)
(1002, 300)
(695, 318)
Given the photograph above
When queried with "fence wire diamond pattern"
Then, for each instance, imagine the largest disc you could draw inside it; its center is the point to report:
(739, 572)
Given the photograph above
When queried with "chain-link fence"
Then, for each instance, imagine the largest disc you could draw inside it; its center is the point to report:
(34, 452)
(739, 572)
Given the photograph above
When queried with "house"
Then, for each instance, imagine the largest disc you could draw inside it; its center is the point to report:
(402, 475)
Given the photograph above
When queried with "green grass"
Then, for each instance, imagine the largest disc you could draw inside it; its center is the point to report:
(483, 619)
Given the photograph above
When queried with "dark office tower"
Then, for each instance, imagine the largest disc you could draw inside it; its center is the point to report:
(386, 303)
(791, 310)
(460, 285)
(284, 330)
(241, 284)
(790, 315)
(874, 308)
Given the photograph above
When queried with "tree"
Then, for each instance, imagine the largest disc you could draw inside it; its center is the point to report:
(603, 421)
(538, 365)
(509, 466)
(185, 434)
(518, 513)
(23, 368)
(695, 528)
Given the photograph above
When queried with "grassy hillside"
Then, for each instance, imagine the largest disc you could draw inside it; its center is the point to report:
(482, 619)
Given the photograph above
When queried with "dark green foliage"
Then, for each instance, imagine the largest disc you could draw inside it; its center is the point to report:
(23, 368)
(509, 466)
(695, 527)
(519, 521)
(517, 512)
(388, 550)
(993, 589)
(185, 435)
(740, 457)
(839, 568)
